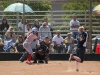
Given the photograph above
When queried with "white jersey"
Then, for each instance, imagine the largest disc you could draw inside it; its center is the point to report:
(30, 38)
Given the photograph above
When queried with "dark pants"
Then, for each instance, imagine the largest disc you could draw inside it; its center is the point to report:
(58, 49)
(80, 52)
(24, 57)
(40, 57)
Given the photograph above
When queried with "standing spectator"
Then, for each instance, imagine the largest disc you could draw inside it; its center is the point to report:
(49, 25)
(74, 25)
(21, 26)
(19, 44)
(80, 51)
(69, 43)
(4, 26)
(1, 45)
(44, 30)
(36, 24)
(58, 42)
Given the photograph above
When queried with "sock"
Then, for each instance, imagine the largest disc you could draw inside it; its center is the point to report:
(29, 57)
(77, 64)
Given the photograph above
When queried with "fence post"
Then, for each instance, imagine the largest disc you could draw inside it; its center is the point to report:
(90, 25)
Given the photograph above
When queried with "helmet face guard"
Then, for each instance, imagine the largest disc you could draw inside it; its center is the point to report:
(42, 43)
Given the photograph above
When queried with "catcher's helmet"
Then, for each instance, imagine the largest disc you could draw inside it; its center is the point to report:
(42, 41)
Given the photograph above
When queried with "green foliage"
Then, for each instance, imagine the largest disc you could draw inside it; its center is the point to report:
(79, 5)
(35, 5)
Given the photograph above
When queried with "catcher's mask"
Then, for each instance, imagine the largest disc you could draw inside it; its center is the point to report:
(42, 43)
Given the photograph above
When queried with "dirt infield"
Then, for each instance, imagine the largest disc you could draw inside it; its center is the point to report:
(53, 68)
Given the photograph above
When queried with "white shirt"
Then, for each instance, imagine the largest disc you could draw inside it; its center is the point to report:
(21, 25)
(57, 40)
(72, 22)
(69, 40)
(44, 32)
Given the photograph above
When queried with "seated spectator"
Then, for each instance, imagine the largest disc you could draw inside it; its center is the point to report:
(58, 42)
(9, 39)
(1, 45)
(69, 43)
(19, 44)
(42, 53)
(21, 26)
(36, 24)
(27, 28)
(48, 43)
(10, 34)
(49, 25)
(34, 45)
(4, 26)
(43, 31)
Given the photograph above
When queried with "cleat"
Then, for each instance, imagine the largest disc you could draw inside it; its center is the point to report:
(28, 62)
(77, 70)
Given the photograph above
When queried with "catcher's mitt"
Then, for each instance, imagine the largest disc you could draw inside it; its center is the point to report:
(41, 52)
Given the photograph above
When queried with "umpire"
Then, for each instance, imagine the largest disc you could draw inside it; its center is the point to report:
(42, 53)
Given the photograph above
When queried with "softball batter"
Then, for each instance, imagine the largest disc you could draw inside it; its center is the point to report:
(27, 44)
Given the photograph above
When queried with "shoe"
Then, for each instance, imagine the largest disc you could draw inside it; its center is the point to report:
(77, 70)
(40, 61)
(28, 62)
(70, 58)
(46, 61)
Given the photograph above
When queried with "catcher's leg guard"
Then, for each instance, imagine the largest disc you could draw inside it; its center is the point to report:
(46, 59)
(24, 57)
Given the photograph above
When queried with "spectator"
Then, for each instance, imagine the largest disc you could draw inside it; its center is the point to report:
(1, 45)
(58, 42)
(49, 25)
(36, 24)
(19, 44)
(74, 25)
(69, 43)
(44, 30)
(34, 45)
(9, 39)
(4, 26)
(27, 28)
(10, 34)
(48, 43)
(21, 26)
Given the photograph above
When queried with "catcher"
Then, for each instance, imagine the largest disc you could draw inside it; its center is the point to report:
(42, 53)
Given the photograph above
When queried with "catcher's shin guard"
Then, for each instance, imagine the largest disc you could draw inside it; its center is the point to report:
(23, 57)
(46, 59)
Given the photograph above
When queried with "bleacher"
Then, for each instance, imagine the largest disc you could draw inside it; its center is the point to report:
(55, 18)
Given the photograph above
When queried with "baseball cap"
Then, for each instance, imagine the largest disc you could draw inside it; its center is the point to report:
(58, 31)
(46, 36)
(34, 29)
(74, 14)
